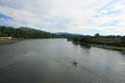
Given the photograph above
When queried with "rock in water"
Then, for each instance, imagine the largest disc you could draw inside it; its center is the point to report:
(75, 63)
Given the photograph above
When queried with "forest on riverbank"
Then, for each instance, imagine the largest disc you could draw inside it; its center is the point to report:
(108, 42)
(23, 32)
(111, 41)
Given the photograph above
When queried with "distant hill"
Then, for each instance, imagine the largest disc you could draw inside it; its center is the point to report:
(26, 32)
(66, 35)
(23, 32)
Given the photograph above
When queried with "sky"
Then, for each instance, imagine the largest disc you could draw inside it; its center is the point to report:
(87, 17)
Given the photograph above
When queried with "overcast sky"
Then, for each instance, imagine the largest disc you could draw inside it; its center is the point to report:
(74, 16)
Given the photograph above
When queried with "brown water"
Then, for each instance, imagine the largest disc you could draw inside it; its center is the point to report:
(51, 61)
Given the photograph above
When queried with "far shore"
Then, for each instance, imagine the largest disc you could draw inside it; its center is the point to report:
(109, 47)
(9, 41)
(117, 48)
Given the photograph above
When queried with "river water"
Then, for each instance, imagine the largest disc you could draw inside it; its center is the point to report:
(52, 61)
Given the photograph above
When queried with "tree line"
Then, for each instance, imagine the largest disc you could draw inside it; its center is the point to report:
(98, 39)
(23, 32)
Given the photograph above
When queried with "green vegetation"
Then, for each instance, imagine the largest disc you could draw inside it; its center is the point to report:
(4, 42)
(24, 32)
(109, 47)
(108, 42)
(18, 34)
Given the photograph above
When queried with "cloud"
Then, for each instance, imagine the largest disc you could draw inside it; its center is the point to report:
(77, 16)
(111, 18)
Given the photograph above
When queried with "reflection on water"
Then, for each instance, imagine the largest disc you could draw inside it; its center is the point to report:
(75, 43)
(83, 45)
(59, 61)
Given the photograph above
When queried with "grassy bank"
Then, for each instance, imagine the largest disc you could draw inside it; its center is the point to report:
(109, 47)
(5, 42)
(107, 42)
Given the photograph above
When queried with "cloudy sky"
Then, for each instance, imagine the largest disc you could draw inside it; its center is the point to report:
(75, 16)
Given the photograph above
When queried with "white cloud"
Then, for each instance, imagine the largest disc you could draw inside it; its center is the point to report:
(111, 18)
(66, 15)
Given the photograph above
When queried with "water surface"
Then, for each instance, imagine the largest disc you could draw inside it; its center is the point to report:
(51, 61)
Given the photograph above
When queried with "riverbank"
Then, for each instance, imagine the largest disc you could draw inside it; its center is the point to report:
(109, 47)
(106, 42)
(8, 41)
(117, 48)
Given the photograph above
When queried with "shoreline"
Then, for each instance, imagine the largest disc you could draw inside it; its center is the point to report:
(117, 48)
(9, 41)
(12, 41)
(109, 47)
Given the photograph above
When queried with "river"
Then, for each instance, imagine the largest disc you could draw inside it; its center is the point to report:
(52, 61)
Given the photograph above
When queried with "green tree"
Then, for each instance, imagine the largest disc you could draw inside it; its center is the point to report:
(97, 35)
